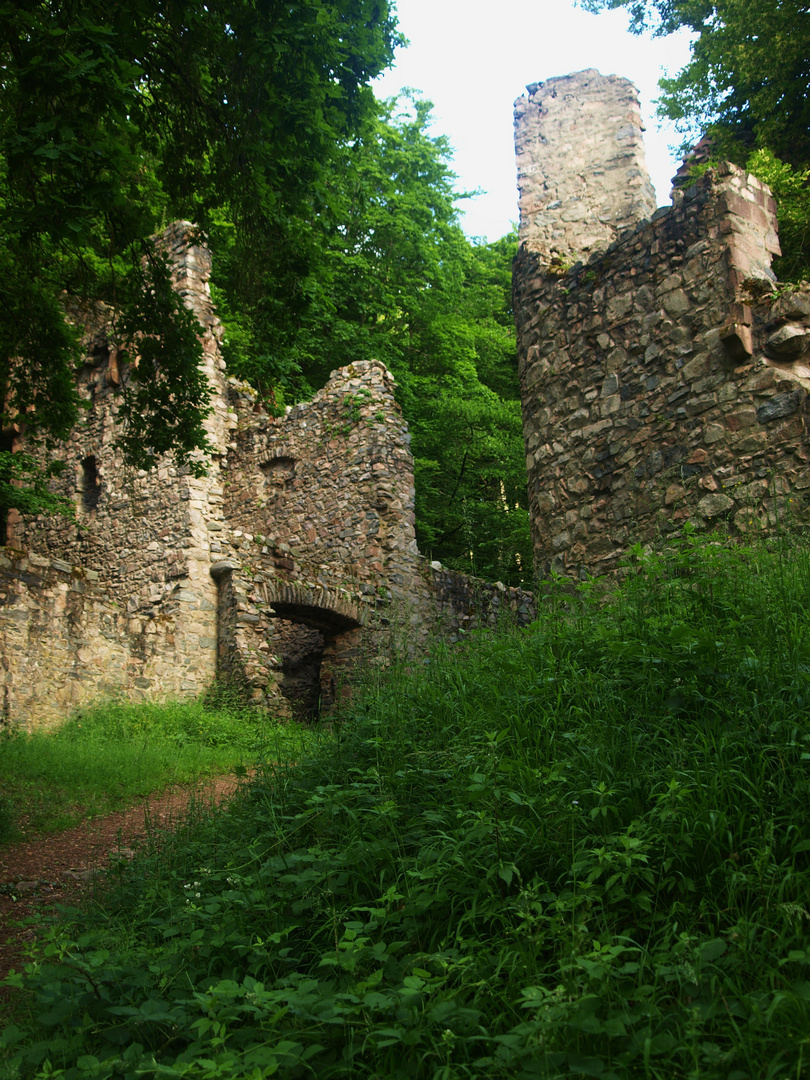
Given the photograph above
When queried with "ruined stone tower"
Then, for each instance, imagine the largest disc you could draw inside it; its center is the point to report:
(662, 376)
(582, 175)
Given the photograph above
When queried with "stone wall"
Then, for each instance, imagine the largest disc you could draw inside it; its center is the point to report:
(64, 642)
(328, 486)
(664, 379)
(291, 562)
(318, 544)
(145, 536)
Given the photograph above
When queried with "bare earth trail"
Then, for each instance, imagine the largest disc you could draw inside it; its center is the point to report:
(62, 868)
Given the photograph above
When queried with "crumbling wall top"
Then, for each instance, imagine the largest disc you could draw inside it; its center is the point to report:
(582, 175)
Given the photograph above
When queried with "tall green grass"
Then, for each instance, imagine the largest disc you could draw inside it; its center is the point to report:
(577, 850)
(104, 758)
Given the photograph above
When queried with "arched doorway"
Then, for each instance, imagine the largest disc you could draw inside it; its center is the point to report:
(316, 647)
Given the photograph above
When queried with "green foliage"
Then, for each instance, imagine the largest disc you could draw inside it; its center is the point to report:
(155, 321)
(104, 758)
(9, 829)
(746, 80)
(115, 118)
(576, 850)
(392, 277)
(379, 242)
(24, 484)
(462, 402)
(791, 189)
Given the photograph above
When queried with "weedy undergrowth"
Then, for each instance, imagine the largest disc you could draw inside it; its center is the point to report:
(577, 850)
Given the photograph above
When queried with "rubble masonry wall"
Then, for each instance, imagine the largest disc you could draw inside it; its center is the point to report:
(289, 563)
(663, 378)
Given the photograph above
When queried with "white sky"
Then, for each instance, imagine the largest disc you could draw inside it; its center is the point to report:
(473, 66)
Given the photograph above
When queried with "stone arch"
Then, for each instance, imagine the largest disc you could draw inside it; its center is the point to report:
(315, 606)
(317, 634)
(291, 645)
(278, 468)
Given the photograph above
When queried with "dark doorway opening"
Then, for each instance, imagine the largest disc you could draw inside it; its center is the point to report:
(7, 440)
(300, 651)
(312, 645)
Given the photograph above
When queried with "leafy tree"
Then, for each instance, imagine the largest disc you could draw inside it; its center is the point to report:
(748, 76)
(471, 497)
(791, 189)
(396, 279)
(117, 117)
(382, 234)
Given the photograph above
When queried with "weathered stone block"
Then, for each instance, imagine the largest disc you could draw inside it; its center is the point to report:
(715, 505)
(788, 342)
(781, 405)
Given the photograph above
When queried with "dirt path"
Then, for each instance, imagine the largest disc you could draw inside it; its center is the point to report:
(60, 868)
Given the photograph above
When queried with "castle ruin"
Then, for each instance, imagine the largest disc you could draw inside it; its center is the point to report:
(663, 376)
(292, 560)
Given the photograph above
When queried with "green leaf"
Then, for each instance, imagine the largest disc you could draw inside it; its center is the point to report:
(712, 950)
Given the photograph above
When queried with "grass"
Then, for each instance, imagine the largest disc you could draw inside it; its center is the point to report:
(106, 758)
(577, 850)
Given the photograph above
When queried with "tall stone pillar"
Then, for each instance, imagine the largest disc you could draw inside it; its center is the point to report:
(582, 175)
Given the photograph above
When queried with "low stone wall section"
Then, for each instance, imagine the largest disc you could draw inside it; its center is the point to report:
(64, 644)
